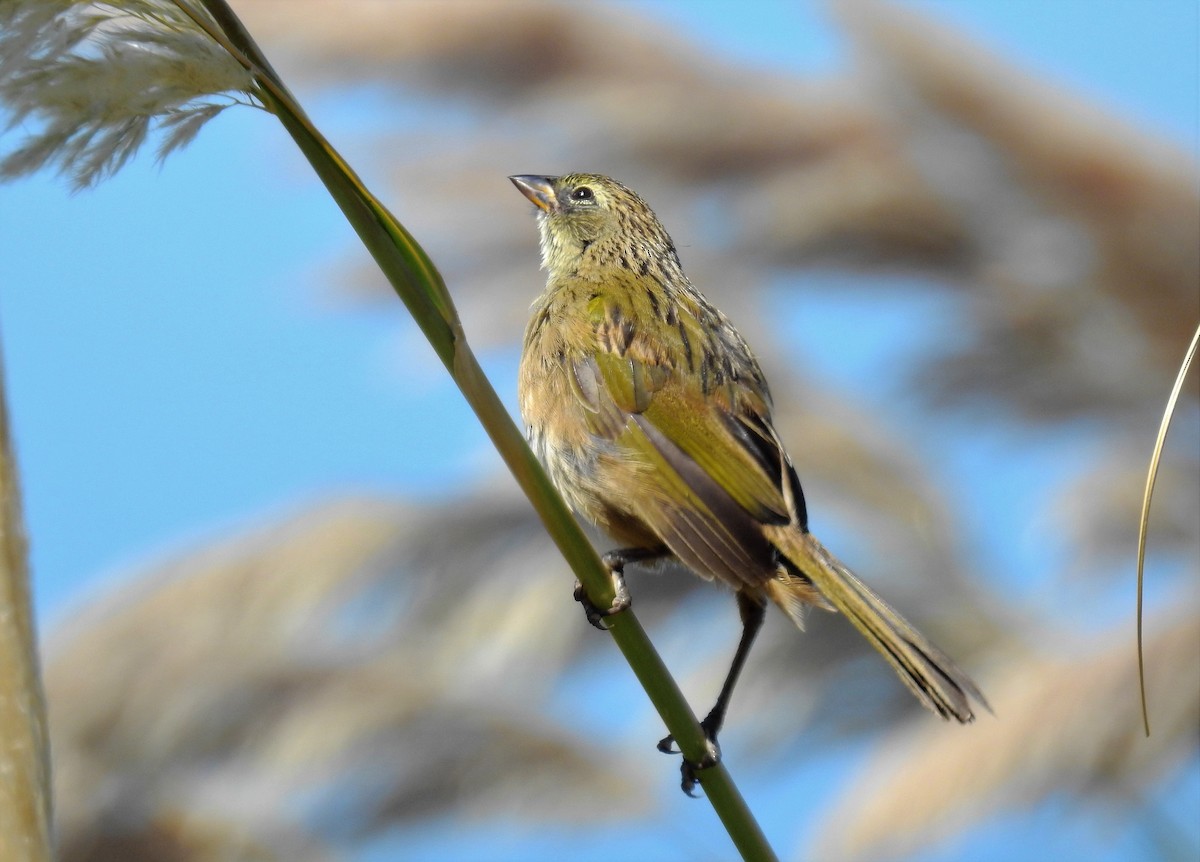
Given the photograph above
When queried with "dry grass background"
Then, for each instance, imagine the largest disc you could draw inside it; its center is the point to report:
(290, 692)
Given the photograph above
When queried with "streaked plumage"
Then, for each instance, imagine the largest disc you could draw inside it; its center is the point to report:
(653, 419)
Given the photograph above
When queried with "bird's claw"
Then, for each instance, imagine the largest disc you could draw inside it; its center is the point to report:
(689, 770)
(596, 615)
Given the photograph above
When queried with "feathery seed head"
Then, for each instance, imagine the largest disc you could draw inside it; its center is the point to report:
(88, 81)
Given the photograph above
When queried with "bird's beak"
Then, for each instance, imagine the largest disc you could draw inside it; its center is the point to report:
(540, 190)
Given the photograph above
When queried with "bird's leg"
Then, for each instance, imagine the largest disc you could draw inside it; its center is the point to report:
(752, 611)
(615, 562)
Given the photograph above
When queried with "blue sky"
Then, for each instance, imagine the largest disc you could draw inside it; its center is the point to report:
(173, 369)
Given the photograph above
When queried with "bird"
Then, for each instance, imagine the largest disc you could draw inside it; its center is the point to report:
(653, 419)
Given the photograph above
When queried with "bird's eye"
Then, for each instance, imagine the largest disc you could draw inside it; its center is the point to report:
(583, 193)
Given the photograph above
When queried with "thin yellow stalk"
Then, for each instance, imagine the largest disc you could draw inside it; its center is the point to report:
(1144, 521)
(24, 747)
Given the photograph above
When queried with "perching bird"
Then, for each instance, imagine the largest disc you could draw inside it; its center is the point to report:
(653, 420)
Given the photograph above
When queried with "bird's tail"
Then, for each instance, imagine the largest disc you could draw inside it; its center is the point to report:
(927, 671)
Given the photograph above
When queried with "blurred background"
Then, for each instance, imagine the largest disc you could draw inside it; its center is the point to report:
(291, 605)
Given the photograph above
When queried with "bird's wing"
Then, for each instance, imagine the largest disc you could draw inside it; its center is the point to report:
(714, 469)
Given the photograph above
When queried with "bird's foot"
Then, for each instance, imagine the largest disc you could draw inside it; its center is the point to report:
(689, 770)
(620, 602)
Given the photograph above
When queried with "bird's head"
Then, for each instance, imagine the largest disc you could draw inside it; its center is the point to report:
(594, 216)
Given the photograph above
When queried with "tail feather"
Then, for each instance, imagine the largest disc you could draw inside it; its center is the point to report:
(927, 671)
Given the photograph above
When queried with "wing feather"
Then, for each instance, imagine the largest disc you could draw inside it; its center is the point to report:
(712, 479)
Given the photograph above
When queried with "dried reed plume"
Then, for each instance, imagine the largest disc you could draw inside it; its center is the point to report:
(95, 79)
(1070, 722)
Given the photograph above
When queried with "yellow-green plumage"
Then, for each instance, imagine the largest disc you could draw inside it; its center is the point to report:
(653, 419)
